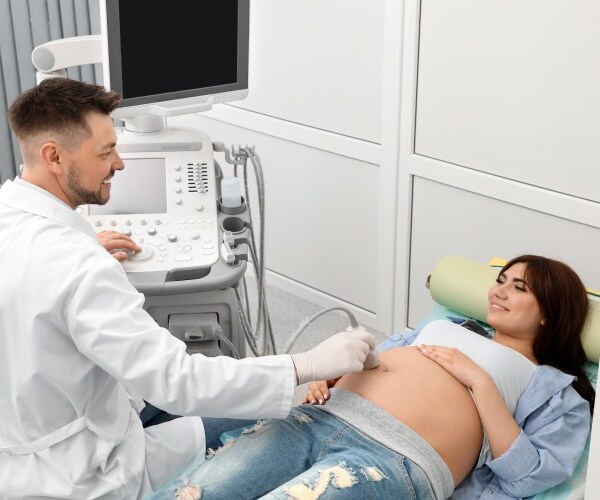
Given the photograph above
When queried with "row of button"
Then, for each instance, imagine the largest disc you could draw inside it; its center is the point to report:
(198, 177)
(148, 254)
(127, 222)
(206, 245)
(184, 251)
(196, 225)
(203, 223)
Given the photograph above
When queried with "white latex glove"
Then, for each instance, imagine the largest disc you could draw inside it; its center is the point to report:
(372, 359)
(344, 352)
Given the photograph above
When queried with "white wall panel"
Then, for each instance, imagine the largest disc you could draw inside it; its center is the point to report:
(511, 88)
(318, 64)
(321, 212)
(447, 220)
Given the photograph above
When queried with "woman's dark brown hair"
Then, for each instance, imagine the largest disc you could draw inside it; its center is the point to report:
(564, 304)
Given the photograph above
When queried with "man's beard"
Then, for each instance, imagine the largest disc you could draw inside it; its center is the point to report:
(85, 196)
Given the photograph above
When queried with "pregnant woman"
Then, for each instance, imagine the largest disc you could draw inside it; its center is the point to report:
(449, 413)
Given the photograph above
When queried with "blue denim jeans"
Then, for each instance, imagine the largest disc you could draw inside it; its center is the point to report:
(311, 454)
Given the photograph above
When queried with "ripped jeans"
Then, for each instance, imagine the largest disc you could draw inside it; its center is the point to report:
(311, 454)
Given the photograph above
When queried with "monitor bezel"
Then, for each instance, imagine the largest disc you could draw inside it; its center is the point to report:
(111, 39)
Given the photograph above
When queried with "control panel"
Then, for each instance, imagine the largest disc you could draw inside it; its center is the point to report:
(167, 203)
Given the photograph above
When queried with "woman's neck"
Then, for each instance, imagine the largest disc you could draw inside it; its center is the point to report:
(522, 346)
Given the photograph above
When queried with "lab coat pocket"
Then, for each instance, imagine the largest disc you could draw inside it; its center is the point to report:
(107, 443)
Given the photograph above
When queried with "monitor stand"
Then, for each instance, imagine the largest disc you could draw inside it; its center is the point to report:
(150, 133)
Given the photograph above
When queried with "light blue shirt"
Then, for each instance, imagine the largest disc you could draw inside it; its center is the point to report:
(555, 422)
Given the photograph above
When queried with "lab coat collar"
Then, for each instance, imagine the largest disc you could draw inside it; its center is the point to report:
(31, 199)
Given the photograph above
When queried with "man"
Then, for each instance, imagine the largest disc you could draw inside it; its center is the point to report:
(75, 341)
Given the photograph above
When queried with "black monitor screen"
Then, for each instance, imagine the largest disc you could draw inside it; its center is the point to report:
(174, 48)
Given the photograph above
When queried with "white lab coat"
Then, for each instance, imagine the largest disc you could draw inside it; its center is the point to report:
(75, 342)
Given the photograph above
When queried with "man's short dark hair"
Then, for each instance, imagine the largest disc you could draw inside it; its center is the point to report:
(59, 105)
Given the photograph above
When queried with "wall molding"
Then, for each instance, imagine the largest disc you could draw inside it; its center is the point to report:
(410, 48)
(350, 147)
(507, 190)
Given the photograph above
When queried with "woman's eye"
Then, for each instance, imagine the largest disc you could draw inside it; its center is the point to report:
(500, 281)
(520, 288)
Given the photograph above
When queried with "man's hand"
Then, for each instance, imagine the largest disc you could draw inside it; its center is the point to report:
(117, 244)
(372, 359)
(343, 353)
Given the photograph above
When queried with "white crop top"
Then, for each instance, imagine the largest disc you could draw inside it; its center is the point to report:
(510, 370)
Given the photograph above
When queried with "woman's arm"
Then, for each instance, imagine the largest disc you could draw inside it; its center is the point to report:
(545, 454)
(539, 451)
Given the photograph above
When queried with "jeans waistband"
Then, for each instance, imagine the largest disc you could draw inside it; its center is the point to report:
(384, 428)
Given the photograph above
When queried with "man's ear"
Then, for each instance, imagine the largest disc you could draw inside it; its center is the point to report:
(52, 158)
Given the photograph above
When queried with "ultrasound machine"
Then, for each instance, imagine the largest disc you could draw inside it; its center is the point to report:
(168, 199)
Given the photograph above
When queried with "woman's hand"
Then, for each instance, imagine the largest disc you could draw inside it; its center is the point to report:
(318, 392)
(456, 363)
(498, 423)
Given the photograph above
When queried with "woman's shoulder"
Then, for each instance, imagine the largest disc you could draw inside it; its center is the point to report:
(552, 389)
(548, 380)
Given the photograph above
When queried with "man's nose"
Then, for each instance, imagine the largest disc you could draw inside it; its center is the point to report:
(119, 163)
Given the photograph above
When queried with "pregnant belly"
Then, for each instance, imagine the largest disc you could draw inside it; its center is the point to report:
(422, 395)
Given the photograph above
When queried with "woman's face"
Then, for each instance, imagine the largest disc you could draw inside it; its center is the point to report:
(513, 310)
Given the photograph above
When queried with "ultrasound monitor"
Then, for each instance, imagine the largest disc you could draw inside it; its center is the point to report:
(175, 57)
